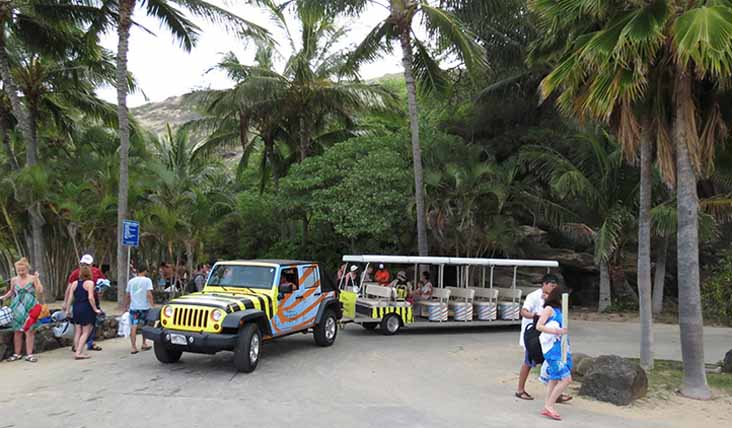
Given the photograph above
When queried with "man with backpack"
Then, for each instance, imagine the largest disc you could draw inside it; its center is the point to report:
(532, 307)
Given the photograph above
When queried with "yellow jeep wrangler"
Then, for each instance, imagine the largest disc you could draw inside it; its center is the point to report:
(244, 303)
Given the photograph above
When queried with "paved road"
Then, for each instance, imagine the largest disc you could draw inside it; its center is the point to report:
(417, 379)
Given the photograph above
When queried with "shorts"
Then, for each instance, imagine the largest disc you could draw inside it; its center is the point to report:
(138, 316)
(527, 361)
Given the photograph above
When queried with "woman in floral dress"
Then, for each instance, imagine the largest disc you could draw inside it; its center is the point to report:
(24, 289)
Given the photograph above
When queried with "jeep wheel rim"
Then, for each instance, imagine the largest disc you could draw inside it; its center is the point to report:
(392, 324)
(254, 349)
(330, 328)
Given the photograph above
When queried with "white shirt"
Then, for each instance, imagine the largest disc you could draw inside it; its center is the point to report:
(534, 303)
(137, 288)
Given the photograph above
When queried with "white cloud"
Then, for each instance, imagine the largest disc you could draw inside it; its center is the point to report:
(163, 69)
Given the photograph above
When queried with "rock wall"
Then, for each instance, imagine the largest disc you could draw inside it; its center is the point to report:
(45, 341)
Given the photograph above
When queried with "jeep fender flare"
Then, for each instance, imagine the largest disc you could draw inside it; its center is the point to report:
(153, 314)
(330, 302)
(236, 319)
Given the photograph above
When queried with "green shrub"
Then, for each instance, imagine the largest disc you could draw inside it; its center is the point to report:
(716, 292)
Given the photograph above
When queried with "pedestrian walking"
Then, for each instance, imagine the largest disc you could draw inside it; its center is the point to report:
(88, 261)
(24, 291)
(85, 310)
(139, 301)
(533, 307)
(555, 372)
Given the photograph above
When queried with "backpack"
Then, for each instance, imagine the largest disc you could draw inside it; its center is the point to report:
(532, 343)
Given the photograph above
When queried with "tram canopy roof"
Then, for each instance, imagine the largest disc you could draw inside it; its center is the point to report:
(458, 261)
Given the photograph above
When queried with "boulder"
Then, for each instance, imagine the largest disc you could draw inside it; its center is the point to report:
(614, 380)
(581, 363)
(727, 363)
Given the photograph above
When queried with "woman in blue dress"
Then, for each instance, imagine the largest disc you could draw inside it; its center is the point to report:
(555, 373)
(85, 310)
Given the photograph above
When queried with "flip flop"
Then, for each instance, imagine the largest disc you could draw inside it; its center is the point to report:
(95, 347)
(551, 415)
(523, 395)
(134, 352)
(83, 357)
(146, 348)
(564, 398)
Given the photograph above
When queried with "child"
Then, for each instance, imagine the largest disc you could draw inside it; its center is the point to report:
(555, 373)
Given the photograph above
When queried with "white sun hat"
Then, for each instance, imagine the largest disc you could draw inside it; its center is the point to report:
(354, 268)
(87, 259)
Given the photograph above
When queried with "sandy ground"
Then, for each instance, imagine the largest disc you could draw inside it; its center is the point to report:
(422, 378)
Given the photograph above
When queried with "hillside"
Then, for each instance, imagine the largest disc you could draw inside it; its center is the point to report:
(156, 116)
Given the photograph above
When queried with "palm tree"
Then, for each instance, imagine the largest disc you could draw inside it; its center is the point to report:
(46, 26)
(662, 53)
(118, 14)
(420, 66)
(594, 175)
(292, 113)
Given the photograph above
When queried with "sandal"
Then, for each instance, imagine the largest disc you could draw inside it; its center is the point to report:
(95, 347)
(14, 357)
(564, 398)
(146, 348)
(134, 352)
(551, 415)
(524, 395)
(31, 358)
(83, 357)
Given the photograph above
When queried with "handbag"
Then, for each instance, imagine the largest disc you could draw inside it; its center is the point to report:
(6, 316)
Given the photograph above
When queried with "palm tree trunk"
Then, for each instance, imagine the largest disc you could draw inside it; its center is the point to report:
(243, 130)
(304, 140)
(604, 300)
(22, 116)
(694, 383)
(5, 135)
(269, 153)
(660, 276)
(189, 255)
(407, 62)
(123, 33)
(644, 252)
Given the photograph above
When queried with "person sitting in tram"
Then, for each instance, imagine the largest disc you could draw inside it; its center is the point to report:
(382, 276)
(368, 276)
(351, 283)
(402, 286)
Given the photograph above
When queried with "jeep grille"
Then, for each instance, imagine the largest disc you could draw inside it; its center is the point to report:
(191, 318)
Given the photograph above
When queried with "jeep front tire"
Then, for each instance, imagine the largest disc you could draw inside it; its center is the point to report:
(166, 355)
(248, 348)
(326, 331)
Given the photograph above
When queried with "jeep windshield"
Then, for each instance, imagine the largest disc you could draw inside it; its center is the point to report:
(234, 276)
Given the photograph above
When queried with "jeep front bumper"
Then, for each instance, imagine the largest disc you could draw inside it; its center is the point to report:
(202, 343)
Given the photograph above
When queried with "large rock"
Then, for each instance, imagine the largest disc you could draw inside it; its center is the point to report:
(727, 364)
(581, 364)
(614, 380)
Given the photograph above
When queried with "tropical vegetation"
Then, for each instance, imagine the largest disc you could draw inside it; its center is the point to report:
(591, 132)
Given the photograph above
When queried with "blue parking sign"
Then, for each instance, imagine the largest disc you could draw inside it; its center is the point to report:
(130, 233)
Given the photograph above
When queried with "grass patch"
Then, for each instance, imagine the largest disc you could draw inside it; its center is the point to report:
(665, 379)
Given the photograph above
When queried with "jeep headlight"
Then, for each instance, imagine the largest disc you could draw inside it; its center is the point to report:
(217, 315)
(168, 312)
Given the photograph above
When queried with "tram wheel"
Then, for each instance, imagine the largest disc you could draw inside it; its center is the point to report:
(391, 324)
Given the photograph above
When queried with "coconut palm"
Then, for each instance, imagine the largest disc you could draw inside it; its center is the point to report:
(292, 113)
(170, 13)
(594, 175)
(663, 53)
(421, 68)
(47, 26)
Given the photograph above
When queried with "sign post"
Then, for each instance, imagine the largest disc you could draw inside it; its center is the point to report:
(565, 319)
(130, 238)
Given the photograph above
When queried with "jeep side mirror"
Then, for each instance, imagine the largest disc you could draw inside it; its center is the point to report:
(286, 288)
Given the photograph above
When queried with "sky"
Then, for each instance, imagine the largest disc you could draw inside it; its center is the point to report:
(163, 69)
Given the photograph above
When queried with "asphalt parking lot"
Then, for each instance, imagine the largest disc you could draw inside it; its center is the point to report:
(422, 378)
